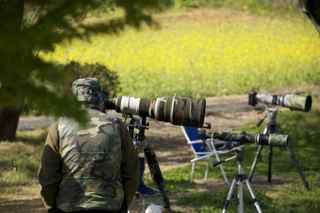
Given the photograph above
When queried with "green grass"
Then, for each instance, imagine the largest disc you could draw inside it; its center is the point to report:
(254, 6)
(19, 160)
(287, 195)
(204, 53)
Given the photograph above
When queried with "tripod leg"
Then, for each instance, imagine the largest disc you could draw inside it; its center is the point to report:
(254, 163)
(224, 175)
(193, 165)
(256, 204)
(240, 196)
(207, 171)
(296, 163)
(270, 164)
(229, 196)
(220, 166)
(156, 175)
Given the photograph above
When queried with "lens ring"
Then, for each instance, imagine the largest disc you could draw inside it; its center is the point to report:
(308, 104)
(172, 120)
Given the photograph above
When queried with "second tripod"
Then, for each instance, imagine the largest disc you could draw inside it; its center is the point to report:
(238, 183)
(272, 127)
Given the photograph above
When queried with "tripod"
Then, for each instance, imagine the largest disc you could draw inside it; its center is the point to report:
(138, 138)
(272, 127)
(238, 182)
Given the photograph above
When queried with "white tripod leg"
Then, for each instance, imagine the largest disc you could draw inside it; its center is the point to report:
(256, 204)
(240, 196)
(220, 166)
(229, 196)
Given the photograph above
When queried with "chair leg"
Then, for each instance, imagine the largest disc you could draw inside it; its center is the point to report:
(193, 164)
(225, 178)
(206, 171)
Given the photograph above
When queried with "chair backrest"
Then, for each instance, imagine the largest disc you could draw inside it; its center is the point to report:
(195, 140)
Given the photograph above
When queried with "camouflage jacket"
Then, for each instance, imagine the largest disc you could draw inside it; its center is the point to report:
(92, 167)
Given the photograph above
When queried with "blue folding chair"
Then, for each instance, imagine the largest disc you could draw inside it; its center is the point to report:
(203, 150)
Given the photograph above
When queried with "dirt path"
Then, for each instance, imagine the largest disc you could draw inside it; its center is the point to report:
(32, 122)
(22, 206)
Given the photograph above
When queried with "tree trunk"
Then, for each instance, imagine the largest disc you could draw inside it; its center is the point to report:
(9, 118)
(11, 16)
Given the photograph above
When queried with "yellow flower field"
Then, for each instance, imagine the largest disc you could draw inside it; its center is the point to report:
(205, 57)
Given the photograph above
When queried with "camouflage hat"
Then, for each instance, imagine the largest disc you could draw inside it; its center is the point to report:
(87, 90)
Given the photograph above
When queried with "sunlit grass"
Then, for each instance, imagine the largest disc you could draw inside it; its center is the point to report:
(205, 57)
(19, 160)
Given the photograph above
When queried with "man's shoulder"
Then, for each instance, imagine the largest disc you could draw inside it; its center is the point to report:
(96, 117)
(111, 117)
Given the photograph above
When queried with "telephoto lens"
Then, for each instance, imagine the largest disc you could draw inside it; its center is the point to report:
(176, 110)
(291, 101)
(259, 139)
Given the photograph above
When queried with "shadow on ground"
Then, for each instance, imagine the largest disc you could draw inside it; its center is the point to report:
(25, 206)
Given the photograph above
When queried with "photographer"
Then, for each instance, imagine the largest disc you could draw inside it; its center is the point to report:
(92, 168)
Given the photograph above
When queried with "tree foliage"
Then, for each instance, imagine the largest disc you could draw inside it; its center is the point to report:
(109, 79)
(29, 27)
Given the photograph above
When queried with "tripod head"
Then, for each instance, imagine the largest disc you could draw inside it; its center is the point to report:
(137, 126)
(270, 116)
